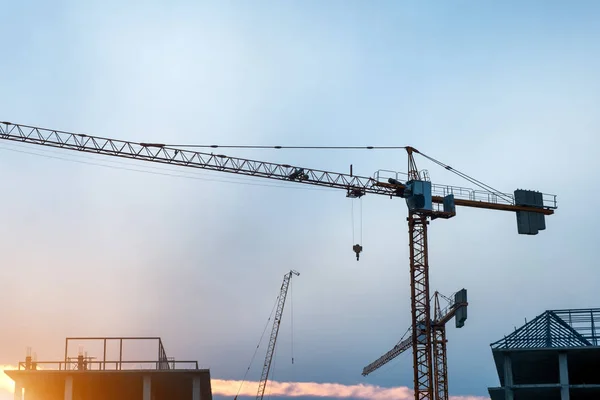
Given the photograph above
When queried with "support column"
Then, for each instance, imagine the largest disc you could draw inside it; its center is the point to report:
(564, 376)
(196, 388)
(147, 388)
(18, 391)
(31, 394)
(508, 378)
(69, 388)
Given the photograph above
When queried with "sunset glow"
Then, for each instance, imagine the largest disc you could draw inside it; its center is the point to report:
(324, 390)
(229, 388)
(6, 384)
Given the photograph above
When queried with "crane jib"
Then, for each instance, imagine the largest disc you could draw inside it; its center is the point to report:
(356, 186)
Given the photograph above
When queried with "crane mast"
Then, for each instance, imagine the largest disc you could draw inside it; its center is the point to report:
(440, 358)
(440, 363)
(418, 219)
(421, 323)
(262, 385)
(425, 201)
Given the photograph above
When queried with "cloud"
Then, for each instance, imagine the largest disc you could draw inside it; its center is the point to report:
(328, 390)
(222, 387)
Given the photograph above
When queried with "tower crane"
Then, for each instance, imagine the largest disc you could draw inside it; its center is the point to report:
(455, 308)
(262, 385)
(425, 201)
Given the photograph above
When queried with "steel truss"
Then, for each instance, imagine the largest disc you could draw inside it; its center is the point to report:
(421, 321)
(274, 331)
(440, 361)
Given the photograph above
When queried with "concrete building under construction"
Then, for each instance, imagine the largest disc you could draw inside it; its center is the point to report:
(83, 377)
(556, 356)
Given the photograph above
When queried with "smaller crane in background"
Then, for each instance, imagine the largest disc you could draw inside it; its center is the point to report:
(455, 308)
(262, 385)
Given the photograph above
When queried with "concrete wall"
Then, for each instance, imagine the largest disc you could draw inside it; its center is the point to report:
(547, 374)
(115, 385)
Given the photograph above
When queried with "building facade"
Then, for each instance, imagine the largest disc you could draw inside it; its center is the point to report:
(110, 375)
(556, 356)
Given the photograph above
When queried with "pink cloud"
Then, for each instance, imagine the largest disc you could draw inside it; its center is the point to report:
(230, 388)
(313, 389)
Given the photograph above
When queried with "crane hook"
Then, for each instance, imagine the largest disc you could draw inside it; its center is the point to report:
(357, 249)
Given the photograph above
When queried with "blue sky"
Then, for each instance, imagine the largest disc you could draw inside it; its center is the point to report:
(505, 91)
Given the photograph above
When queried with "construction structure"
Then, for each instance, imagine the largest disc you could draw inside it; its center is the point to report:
(84, 377)
(455, 308)
(555, 356)
(425, 201)
(262, 384)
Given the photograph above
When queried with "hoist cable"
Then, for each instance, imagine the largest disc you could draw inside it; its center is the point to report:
(257, 346)
(361, 221)
(352, 220)
(292, 310)
(145, 169)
